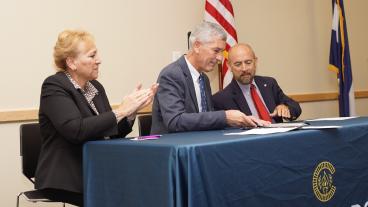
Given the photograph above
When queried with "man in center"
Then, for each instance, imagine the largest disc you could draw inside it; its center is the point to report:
(183, 100)
(259, 96)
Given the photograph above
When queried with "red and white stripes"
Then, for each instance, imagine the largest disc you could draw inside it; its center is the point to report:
(221, 12)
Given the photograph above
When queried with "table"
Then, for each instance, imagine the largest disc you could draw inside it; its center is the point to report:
(209, 169)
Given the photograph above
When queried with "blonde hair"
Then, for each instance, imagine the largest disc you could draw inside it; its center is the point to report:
(67, 46)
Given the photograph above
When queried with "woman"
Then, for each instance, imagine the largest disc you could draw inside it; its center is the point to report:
(74, 109)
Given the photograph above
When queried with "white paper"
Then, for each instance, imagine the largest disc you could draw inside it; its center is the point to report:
(287, 125)
(263, 131)
(321, 127)
(333, 118)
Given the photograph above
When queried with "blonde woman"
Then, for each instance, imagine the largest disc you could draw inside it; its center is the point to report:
(74, 109)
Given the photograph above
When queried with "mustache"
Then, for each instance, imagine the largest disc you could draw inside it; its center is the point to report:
(246, 73)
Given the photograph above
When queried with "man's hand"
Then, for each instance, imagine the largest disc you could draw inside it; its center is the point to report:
(236, 118)
(281, 111)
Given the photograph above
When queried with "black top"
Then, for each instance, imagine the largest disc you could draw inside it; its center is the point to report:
(67, 121)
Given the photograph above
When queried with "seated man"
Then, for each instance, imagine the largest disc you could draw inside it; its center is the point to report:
(183, 100)
(250, 93)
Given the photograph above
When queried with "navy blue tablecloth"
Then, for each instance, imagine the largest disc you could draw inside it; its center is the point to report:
(209, 169)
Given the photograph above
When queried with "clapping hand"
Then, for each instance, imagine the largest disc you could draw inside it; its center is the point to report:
(136, 100)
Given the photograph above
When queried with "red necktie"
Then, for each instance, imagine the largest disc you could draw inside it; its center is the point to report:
(261, 109)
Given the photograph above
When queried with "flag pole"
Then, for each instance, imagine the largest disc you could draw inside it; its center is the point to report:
(219, 66)
(188, 35)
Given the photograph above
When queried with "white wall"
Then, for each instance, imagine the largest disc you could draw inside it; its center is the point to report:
(137, 38)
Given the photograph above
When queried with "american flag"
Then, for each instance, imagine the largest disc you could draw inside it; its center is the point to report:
(221, 12)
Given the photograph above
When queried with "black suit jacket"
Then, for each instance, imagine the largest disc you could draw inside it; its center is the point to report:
(232, 97)
(67, 121)
(175, 106)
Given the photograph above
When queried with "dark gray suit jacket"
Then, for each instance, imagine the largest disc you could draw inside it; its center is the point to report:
(66, 122)
(175, 107)
(232, 98)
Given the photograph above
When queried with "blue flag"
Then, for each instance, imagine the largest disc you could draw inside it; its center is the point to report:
(340, 59)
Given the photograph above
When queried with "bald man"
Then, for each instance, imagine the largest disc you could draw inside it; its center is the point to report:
(240, 93)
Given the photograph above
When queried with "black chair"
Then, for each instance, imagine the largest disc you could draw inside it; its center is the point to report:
(144, 124)
(30, 146)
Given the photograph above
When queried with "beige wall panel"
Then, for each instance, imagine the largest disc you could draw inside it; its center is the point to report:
(136, 39)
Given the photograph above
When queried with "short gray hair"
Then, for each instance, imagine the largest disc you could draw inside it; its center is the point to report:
(205, 31)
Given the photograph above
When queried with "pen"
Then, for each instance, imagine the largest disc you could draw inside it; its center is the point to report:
(153, 136)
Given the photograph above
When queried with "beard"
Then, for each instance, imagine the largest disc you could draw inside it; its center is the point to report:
(245, 78)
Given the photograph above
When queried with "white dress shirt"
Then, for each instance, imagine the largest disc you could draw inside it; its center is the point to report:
(195, 77)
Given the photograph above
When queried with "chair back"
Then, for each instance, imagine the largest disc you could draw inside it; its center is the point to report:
(30, 147)
(144, 124)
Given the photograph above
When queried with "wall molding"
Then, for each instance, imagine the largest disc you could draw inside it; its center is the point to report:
(328, 96)
(26, 115)
(29, 115)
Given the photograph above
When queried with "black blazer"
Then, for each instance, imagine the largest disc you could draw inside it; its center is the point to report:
(175, 107)
(232, 98)
(67, 121)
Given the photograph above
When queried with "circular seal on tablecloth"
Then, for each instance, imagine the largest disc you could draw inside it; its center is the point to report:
(323, 187)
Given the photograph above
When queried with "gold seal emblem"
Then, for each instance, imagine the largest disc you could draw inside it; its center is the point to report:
(322, 182)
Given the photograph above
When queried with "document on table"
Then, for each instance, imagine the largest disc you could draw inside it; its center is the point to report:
(263, 130)
(302, 125)
(287, 125)
(282, 127)
(321, 127)
(333, 118)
